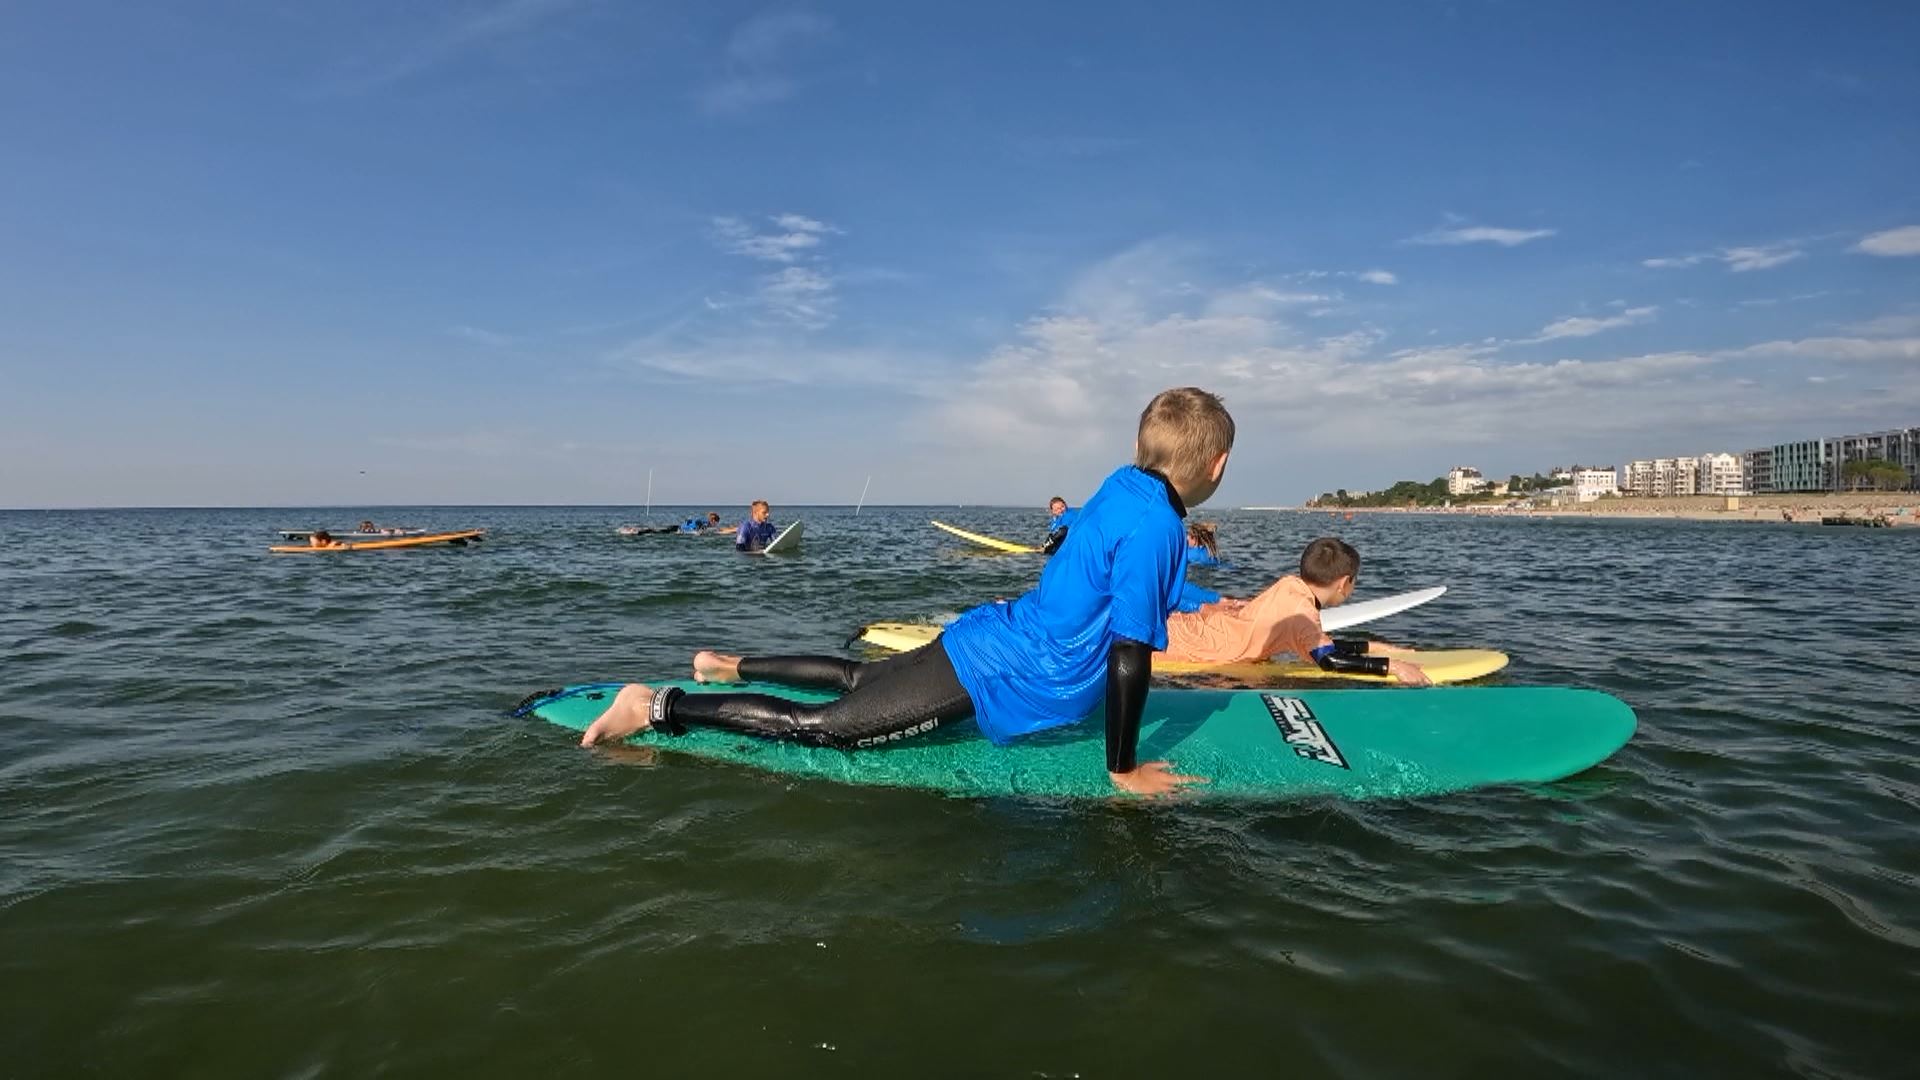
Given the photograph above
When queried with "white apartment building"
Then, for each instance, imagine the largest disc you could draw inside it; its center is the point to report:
(1591, 484)
(1464, 480)
(1721, 474)
(1663, 477)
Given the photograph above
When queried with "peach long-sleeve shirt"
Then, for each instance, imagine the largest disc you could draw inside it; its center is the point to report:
(1283, 619)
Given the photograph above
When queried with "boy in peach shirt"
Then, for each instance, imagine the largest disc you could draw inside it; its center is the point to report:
(1286, 619)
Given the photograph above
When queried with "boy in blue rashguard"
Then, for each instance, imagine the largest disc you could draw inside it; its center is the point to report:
(756, 532)
(1088, 631)
(1062, 519)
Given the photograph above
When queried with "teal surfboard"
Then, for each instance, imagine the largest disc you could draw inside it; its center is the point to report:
(1361, 744)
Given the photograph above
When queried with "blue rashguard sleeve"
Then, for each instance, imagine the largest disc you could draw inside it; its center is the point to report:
(1148, 572)
(743, 537)
(1193, 597)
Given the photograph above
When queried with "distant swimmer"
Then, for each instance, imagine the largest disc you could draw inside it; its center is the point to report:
(756, 532)
(1203, 544)
(1284, 619)
(1063, 518)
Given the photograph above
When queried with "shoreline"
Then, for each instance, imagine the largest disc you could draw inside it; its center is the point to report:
(1901, 508)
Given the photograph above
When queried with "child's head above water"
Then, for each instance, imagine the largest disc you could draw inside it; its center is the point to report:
(1327, 560)
(1185, 435)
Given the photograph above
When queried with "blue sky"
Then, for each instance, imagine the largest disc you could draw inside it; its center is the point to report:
(521, 251)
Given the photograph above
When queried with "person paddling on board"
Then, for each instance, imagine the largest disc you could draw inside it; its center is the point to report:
(1044, 660)
(323, 539)
(1284, 619)
(756, 532)
(1057, 526)
(1203, 543)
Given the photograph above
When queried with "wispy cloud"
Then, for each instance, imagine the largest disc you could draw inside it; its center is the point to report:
(1887, 326)
(1481, 234)
(1893, 242)
(1579, 326)
(757, 60)
(802, 293)
(792, 236)
(450, 41)
(1737, 259)
(1369, 277)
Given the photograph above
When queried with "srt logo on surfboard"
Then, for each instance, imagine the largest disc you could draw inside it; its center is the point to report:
(1302, 732)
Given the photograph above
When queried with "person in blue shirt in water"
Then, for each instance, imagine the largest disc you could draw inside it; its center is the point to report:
(1203, 543)
(1086, 634)
(756, 532)
(1062, 520)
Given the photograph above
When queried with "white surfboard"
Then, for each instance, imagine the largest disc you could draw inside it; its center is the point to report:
(1339, 618)
(787, 542)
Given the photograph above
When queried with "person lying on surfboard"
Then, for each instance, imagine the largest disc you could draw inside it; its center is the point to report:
(1087, 632)
(323, 539)
(1285, 619)
(1057, 526)
(756, 532)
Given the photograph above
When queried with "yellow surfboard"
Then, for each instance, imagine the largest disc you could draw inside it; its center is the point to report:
(1440, 665)
(987, 541)
(455, 538)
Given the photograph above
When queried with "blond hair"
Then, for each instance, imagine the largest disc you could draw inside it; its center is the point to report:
(1182, 433)
(757, 504)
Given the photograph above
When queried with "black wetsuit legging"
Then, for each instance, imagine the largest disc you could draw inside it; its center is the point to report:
(885, 701)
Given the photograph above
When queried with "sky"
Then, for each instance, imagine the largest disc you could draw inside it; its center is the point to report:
(528, 251)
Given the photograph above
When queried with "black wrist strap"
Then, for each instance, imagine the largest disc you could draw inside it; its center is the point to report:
(662, 718)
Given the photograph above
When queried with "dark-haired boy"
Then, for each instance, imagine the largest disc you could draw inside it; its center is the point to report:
(1286, 619)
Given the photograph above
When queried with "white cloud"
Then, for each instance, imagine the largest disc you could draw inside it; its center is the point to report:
(1736, 259)
(1893, 242)
(1579, 326)
(800, 295)
(1887, 326)
(1742, 259)
(1370, 277)
(756, 58)
(1840, 349)
(445, 43)
(1481, 234)
(794, 235)
(1071, 384)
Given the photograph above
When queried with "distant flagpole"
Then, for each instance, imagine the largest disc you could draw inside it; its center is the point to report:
(863, 495)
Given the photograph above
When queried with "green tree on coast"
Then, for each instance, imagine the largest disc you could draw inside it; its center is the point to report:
(1878, 473)
(1403, 493)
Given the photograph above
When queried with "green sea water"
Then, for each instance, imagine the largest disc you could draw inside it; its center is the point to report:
(263, 816)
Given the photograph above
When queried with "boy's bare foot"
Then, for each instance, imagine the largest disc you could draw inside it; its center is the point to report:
(631, 711)
(709, 666)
